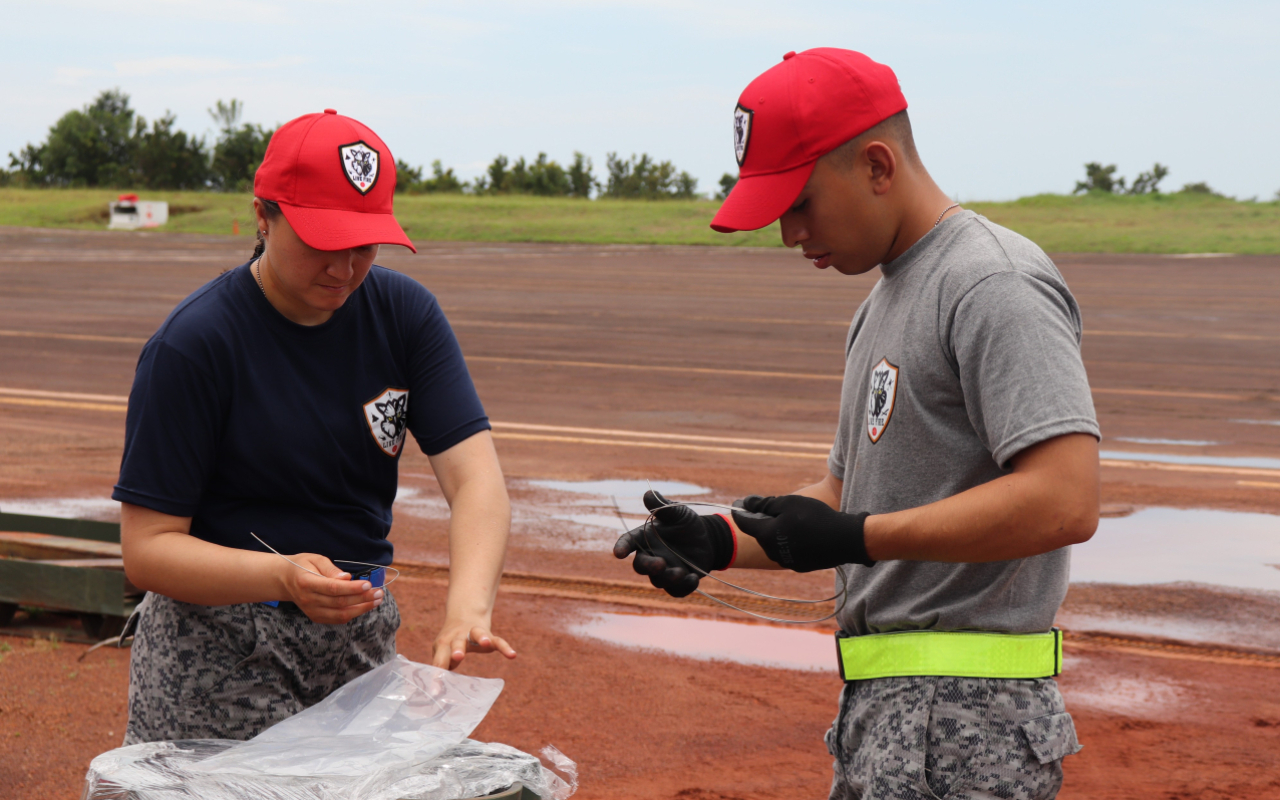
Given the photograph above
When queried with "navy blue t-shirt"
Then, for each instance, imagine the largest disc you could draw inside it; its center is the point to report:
(245, 421)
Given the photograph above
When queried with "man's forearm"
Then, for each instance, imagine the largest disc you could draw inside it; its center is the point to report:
(1049, 501)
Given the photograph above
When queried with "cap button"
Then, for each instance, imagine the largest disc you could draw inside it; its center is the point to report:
(791, 54)
(330, 111)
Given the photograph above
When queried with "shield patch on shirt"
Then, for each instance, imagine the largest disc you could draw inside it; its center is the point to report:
(884, 390)
(741, 132)
(388, 418)
(360, 164)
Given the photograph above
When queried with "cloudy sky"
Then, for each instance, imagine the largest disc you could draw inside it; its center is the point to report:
(1007, 99)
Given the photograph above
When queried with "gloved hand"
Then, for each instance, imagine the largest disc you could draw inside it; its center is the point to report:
(804, 534)
(705, 541)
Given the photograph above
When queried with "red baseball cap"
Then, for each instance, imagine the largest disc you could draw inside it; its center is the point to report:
(794, 114)
(334, 180)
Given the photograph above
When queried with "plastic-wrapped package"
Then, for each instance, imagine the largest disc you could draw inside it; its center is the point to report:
(163, 771)
(395, 715)
(396, 733)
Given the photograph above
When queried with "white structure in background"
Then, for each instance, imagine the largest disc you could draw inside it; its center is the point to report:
(128, 213)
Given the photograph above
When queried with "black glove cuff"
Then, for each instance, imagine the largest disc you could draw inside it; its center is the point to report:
(855, 550)
(722, 541)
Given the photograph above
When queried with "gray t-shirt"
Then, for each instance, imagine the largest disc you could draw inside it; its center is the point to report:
(966, 352)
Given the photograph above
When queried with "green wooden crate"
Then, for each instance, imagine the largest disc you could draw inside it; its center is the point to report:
(100, 594)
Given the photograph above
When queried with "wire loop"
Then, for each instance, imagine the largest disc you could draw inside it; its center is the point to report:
(334, 560)
(649, 530)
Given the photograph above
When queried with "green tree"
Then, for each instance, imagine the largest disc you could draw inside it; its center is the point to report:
(1149, 182)
(90, 147)
(727, 182)
(408, 179)
(1099, 179)
(170, 159)
(442, 180)
(582, 181)
(496, 175)
(545, 178)
(239, 149)
(1200, 188)
(644, 178)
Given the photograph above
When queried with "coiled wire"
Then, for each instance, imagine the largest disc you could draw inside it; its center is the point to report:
(648, 527)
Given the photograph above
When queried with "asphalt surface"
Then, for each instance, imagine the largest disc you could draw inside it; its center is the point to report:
(717, 367)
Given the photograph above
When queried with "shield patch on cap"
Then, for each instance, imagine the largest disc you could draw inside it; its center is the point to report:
(741, 132)
(360, 165)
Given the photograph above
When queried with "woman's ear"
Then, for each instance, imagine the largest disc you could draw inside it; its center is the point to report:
(259, 212)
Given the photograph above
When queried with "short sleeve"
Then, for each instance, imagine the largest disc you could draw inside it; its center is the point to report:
(837, 461)
(1016, 341)
(171, 433)
(444, 408)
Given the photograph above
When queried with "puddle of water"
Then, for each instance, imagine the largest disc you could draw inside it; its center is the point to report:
(98, 508)
(1147, 697)
(1208, 461)
(1258, 634)
(1173, 442)
(415, 502)
(562, 515)
(1171, 545)
(715, 640)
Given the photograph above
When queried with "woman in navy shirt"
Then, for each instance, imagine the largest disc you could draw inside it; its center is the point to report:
(275, 402)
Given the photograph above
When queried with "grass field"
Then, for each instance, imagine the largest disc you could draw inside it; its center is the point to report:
(1171, 223)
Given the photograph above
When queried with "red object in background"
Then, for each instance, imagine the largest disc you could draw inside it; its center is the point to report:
(793, 114)
(334, 178)
(127, 198)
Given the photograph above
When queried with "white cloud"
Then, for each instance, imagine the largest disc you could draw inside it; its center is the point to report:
(164, 65)
(71, 76)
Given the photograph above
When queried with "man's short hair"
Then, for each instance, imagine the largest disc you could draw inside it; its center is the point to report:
(896, 128)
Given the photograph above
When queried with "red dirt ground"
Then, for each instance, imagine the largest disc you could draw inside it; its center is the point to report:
(1176, 349)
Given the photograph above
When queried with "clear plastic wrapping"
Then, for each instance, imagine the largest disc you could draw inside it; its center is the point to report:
(396, 733)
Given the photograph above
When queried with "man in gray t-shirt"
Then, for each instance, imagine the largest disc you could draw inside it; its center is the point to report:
(965, 462)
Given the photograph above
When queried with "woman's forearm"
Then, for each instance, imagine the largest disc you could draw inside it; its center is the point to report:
(478, 528)
(161, 556)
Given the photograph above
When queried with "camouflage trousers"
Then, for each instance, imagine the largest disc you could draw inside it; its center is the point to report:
(950, 739)
(230, 672)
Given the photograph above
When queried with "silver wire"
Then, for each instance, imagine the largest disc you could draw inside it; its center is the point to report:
(334, 560)
(648, 528)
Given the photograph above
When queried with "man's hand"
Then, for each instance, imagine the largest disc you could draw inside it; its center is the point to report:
(804, 534)
(459, 637)
(707, 542)
(332, 600)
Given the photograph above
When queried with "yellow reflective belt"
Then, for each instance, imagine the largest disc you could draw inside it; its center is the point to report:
(957, 654)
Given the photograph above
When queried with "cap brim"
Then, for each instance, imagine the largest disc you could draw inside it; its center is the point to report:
(333, 229)
(758, 201)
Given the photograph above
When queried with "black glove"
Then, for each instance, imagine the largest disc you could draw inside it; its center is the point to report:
(707, 542)
(804, 534)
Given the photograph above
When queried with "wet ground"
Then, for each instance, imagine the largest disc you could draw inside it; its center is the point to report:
(720, 371)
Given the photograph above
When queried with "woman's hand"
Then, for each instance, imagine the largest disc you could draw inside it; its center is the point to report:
(332, 600)
(459, 637)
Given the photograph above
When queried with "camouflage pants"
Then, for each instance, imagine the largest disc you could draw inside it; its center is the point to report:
(950, 739)
(230, 672)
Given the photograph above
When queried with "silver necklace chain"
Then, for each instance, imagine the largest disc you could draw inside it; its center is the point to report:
(258, 275)
(936, 221)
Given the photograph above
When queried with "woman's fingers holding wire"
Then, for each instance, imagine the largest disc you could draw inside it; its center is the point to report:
(326, 593)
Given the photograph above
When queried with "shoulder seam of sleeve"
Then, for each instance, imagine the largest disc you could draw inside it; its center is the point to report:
(159, 341)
